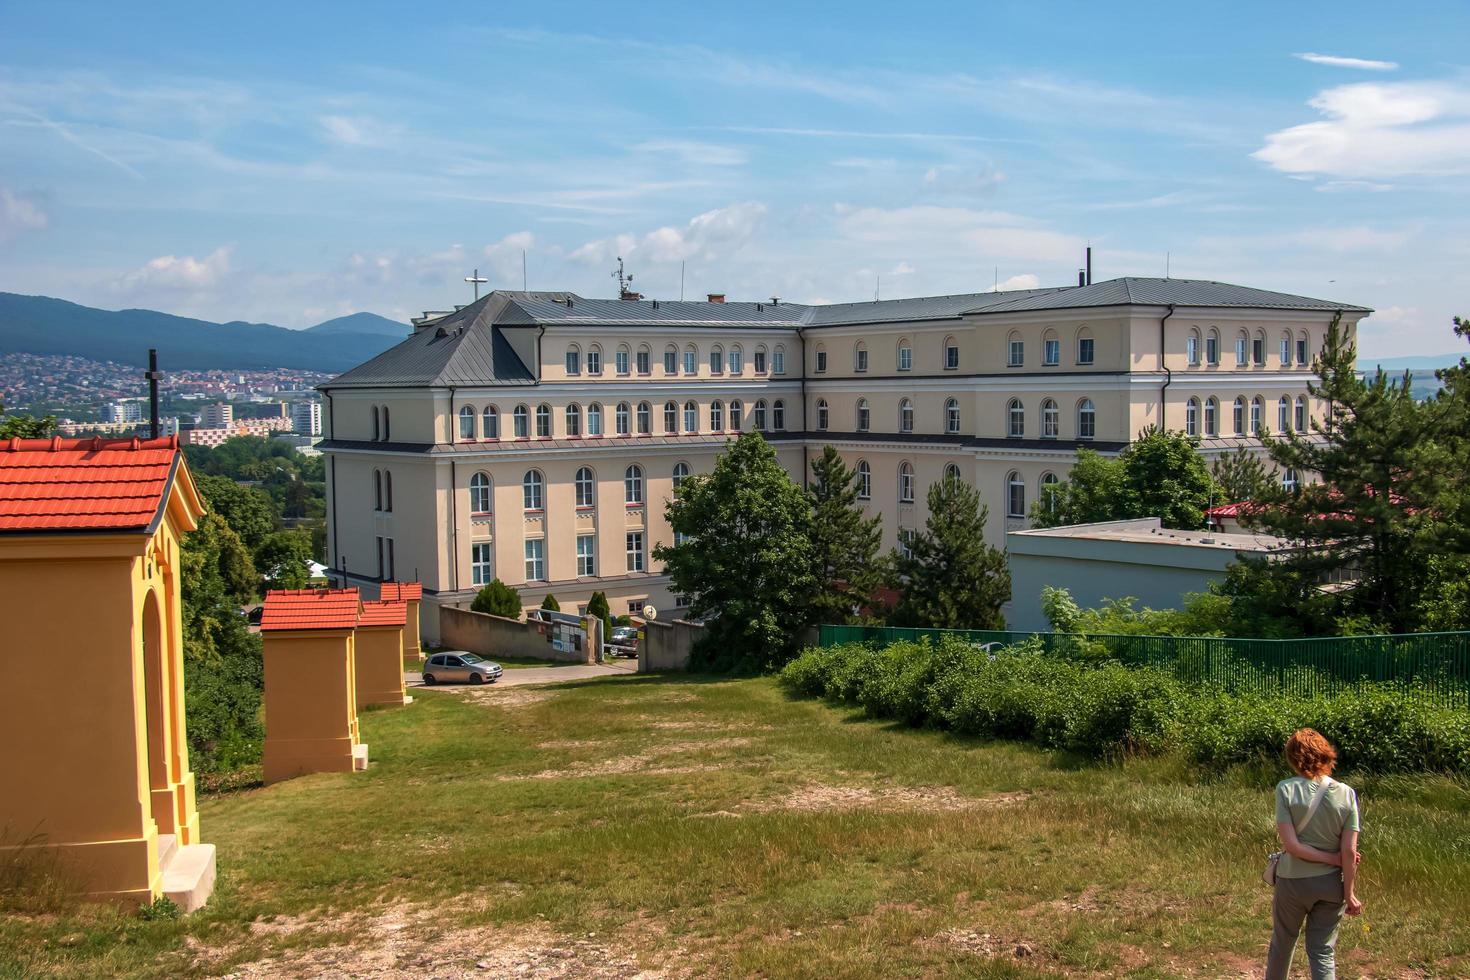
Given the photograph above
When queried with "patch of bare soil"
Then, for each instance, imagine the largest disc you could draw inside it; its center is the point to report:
(986, 944)
(408, 941)
(508, 697)
(646, 761)
(817, 797)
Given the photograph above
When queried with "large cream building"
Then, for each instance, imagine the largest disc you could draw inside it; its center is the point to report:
(535, 436)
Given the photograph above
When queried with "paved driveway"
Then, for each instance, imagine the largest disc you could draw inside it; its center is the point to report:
(515, 676)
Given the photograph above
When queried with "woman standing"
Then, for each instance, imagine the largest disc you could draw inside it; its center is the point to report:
(1317, 821)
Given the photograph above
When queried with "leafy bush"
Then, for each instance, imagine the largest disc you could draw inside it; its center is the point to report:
(1107, 709)
(498, 599)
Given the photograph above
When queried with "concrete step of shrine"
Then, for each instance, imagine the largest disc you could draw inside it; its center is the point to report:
(359, 757)
(168, 844)
(188, 876)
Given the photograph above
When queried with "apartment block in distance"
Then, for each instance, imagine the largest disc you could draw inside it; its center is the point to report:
(536, 436)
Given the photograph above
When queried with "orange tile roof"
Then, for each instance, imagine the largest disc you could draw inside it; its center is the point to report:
(310, 609)
(92, 484)
(383, 613)
(402, 591)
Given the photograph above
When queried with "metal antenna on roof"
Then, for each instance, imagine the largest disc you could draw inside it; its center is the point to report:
(996, 287)
(1166, 265)
(681, 280)
(523, 271)
(625, 282)
(476, 279)
(877, 288)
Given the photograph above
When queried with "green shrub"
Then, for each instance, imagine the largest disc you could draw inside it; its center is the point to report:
(498, 599)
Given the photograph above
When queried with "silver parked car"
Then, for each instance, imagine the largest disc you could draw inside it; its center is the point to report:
(460, 667)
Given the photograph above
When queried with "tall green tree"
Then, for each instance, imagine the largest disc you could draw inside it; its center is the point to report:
(845, 543)
(1241, 476)
(598, 606)
(1092, 492)
(1160, 474)
(950, 576)
(550, 603)
(248, 510)
(497, 599)
(743, 555)
(282, 557)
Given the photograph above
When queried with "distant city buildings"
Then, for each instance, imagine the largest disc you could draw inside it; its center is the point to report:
(122, 411)
(306, 418)
(216, 416)
(202, 435)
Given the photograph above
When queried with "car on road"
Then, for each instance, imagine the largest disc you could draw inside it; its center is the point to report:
(464, 667)
(623, 641)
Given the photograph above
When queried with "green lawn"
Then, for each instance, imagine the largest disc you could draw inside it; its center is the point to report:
(690, 827)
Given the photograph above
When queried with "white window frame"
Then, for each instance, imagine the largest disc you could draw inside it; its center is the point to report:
(482, 563)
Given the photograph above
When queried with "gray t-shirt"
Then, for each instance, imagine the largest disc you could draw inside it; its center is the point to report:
(1337, 812)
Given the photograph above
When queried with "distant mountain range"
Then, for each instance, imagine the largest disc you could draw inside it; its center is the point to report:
(42, 325)
(1423, 366)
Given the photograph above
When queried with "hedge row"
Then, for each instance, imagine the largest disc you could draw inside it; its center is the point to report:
(1107, 709)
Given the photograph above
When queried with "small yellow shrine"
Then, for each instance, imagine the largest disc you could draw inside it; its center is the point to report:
(411, 594)
(96, 765)
(380, 654)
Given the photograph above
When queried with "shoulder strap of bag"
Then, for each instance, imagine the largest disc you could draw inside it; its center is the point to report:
(1316, 801)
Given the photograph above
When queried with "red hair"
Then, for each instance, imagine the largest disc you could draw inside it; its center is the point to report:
(1310, 754)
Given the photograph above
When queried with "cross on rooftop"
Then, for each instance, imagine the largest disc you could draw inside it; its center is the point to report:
(476, 278)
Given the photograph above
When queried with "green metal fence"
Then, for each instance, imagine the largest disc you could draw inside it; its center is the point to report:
(1435, 666)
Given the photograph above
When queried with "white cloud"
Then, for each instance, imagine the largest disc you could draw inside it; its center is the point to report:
(1344, 186)
(1337, 61)
(1026, 281)
(19, 214)
(695, 152)
(950, 179)
(174, 273)
(358, 130)
(712, 235)
(926, 227)
(1375, 130)
(902, 269)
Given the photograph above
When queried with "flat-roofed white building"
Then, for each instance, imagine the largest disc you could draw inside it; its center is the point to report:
(536, 436)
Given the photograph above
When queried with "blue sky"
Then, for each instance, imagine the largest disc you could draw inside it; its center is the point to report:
(290, 163)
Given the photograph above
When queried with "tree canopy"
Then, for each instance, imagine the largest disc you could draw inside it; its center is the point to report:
(498, 599)
(1161, 474)
(845, 542)
(950, 577)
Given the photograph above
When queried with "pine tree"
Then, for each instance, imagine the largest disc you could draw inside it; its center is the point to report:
(845, 543)
(950, 577)
(550, 603)
(744, 558)
(598, 607)
(1241, 476)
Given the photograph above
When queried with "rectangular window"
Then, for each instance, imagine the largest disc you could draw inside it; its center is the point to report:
(691, 362)
(586, 555)
(390, 576)
(1258, 351)
(1285, 351)
(480, 570)
(1301, 352)
(716, 361)
(821, 361)
(778, 362)
(671, 362)
(594, 362)
(635, 607)
(574, 362)
(905, 358)
(621, 360)
(1052, 353)
(951, 357)
(1018, 353)
(1086, 347)
(737, 362)
(1240, 351)
(862, 359)
(635, 551)
(760, 362)
(1191, 350)
(905, 541)
(536, 560)
(380, 558)
(1212, 350)
(644, 362)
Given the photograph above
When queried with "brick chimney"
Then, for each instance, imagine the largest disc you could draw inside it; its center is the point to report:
(716, 297)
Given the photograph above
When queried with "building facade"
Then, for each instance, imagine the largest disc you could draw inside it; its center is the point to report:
(536, 437)
(306, 417)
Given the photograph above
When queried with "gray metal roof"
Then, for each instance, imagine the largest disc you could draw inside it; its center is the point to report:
(463, 348)
(917, 308)
(612, 312)
(1130, 291)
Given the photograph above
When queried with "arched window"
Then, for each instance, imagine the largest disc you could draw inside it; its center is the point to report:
(951, 354)
(1242, 342)
(671, 418)
(1301, 349)
(543, 421)
(905, 416)
(633, 484)
(1051, 419)
(865, 480)
(1258, 349)
(533, 487)
(1283, 414)
(691, 417)
(594, 359)
(905, 355)
(691, 359)
(759, 421)
(681, 473)
(736, 359)
(717, 359)
(1258, 409)
(860, 357)
(1086, 346)
(1016, 415)
(623, 419)
(574, 359)
(951, 473)
(1015, 350)
(1191, 417)
(1191, 347)
(644, 361)
(1015, 495)
(480, 494)
(1289, 481)
(1049, 484)
(952, 416)
(586, 485)
(466, 422)
(645, 419)
(671, 359)
(522, 421)
(1212, 347)
(574, 420)
(905, 483)
(864, 415)
(622, 360)
(377, 490)
(760, 359)
(1285, 352)
(490, 423)
(1239, 415)
(737, 414)
(1301, 414)
(387, 429)
(1086, 419)
(778, 416)
(717, 416)
(778, 359)
(376, 431)
(594, 419)
(1212, 416)
(1051, 349)
(822, 414)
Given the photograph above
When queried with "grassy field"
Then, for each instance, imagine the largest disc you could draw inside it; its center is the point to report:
(680, 827)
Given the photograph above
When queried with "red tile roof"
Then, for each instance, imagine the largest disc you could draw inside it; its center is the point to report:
(383, 614)
(91, 484)
(402, 591)
(310, 609)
